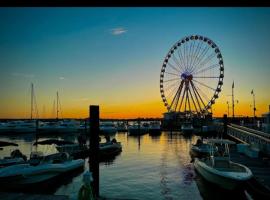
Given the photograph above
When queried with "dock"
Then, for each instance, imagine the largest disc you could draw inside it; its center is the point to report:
(259, 186)
(25, 196)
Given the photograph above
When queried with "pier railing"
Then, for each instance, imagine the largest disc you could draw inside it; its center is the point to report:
(255, 138)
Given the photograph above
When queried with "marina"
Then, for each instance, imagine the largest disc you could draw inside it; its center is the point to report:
(153, 108)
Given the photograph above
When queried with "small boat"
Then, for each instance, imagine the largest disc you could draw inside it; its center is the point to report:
(107, 128)
(16, 157)
(154, 128)
(187, 128)
(201, 149)
(218, 169)
(121, 127)
(27, 126)
(63, 126)
(33, 173)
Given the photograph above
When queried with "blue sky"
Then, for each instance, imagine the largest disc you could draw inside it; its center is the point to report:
(113, 56)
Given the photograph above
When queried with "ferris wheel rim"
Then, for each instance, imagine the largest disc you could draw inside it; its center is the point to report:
(188, 73)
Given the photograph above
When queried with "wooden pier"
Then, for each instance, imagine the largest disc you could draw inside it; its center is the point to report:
(259, 186)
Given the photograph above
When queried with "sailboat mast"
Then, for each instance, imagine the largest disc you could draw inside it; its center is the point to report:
(57, 100)
(32, 98)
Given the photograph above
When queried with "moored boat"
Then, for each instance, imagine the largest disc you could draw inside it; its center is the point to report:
(187, 128)
(219, 170)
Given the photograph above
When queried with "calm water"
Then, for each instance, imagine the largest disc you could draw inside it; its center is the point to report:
(149, 167)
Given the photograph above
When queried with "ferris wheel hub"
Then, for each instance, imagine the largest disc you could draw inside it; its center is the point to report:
(186, 76)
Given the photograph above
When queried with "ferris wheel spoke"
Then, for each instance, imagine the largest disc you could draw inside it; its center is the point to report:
(182, 99)
(177, 63)
(205, 76)
(203, 94)
(196, 53)
(174, 79)
(208, 59)
(181, 57)
(172, 66)
(191, 55)
(204, 85)
(188, 100)
(172, 74)
(201, 57)
(206, 69)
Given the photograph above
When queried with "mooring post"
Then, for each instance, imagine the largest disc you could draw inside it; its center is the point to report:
(94, 147)
(225, 123)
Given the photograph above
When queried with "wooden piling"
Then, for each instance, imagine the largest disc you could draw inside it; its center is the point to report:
(94, 147)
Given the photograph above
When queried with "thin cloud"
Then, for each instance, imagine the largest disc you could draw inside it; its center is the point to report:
(61, 78)
(118, 31)
(24, 75)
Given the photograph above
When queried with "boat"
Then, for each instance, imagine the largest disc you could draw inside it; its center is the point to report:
(107, 128)
(106, 149)
(138, 128)
(62, 126)
(154, 128)
(16, 157)
(187, 128)
(121, 127)
(219, 169)
(18, 126)
(201, 149)
(38, 171)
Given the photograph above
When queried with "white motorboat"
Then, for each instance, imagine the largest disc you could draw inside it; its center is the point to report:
(107, 128)
(33, 173)
(187, 128)
(219, 170)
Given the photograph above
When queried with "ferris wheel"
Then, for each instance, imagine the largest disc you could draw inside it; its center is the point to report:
(192, 75)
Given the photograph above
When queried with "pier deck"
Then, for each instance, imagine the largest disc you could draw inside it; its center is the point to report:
(24, 196)
(260, 168)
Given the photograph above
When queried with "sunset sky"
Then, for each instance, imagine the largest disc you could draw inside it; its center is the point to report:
(112, 57)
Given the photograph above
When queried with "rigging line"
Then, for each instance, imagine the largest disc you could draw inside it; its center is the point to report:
(193, 100)
(204, 85)
(179, 94)
(198, 102)
(209, 58)
(194, 56)
(177, 63)
(201, 57)
(205, 69)
(172, 66)
(198, 94)
(180, 56)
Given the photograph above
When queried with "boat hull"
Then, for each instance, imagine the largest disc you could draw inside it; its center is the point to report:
(222, 181)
